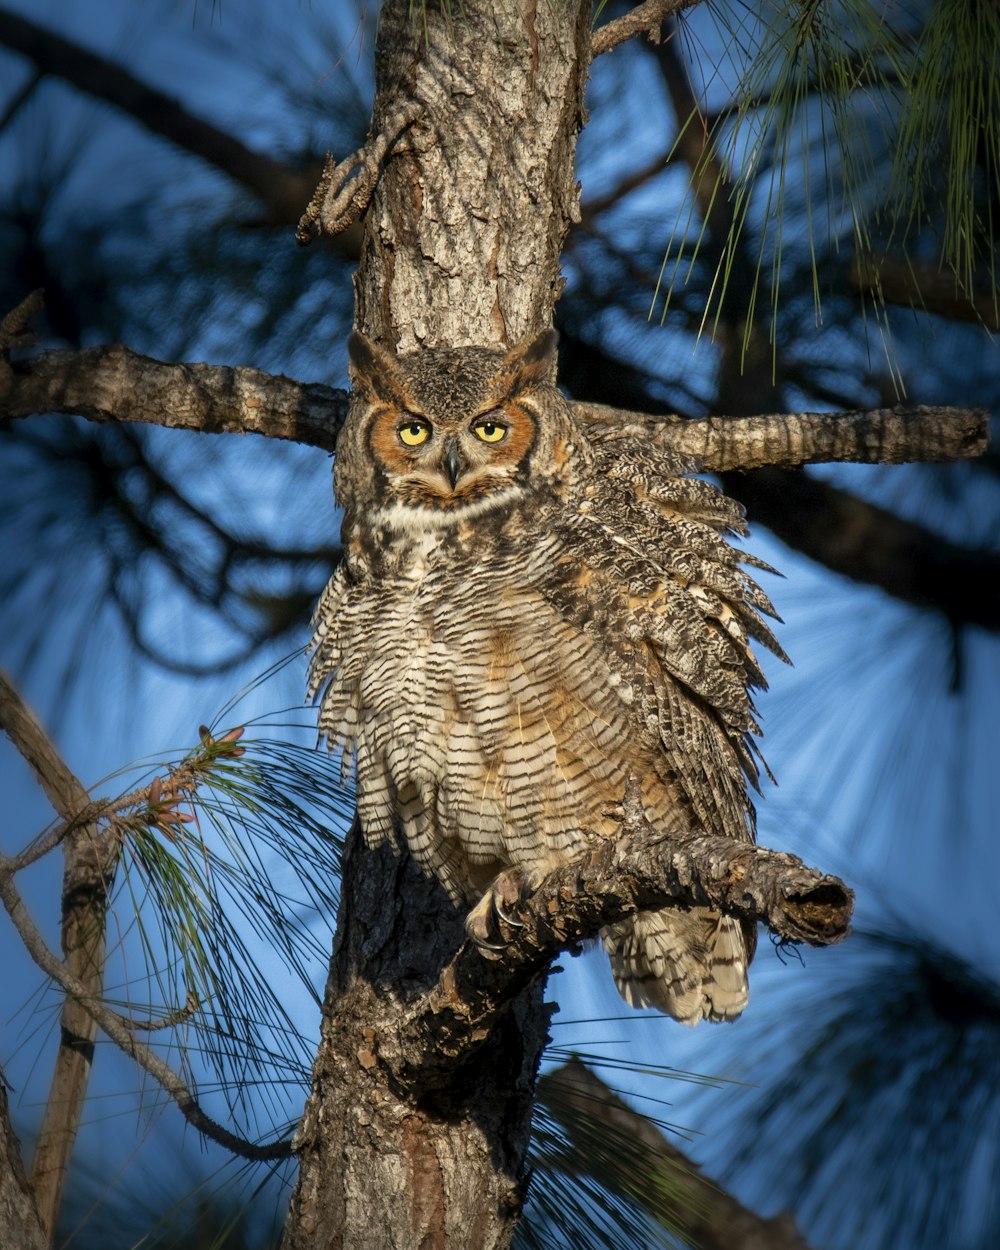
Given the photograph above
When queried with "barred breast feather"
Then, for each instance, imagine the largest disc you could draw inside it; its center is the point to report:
(497, 675)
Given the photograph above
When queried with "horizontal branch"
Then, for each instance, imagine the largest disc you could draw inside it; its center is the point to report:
(899, 280)
(645, 18)
(869, 544)
(878, 436)
(115, 384)
(643, 869)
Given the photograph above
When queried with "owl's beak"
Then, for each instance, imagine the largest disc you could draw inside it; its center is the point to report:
(453, 462)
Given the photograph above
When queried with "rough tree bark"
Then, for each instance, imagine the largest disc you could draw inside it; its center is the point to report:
(462, 246)
(22, 1228)
(88, 872)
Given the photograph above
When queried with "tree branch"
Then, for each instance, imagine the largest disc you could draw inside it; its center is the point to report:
(91, 857)
(879, 436)
(645, 18)
(345, 189)
(123, 1036)
(642, 869)
(284, 189)
(594, 205)
(88, 871)
(897, 280)
(637, 1154)
(62, 788)
(115, 384)
(862, 541)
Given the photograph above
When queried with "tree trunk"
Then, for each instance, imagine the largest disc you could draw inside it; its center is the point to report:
(19, 1222)
(462, 244)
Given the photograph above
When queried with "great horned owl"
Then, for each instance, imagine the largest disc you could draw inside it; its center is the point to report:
(524, 618)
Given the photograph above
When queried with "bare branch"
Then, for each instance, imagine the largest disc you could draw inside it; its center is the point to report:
(643, 869)
(63, 790)
(711, 1218)
(879, 436)
(644, 19)
(115, 384)
(119, 1032)
(90, 860)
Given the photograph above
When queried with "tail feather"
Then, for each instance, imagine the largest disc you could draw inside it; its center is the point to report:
(692, 965)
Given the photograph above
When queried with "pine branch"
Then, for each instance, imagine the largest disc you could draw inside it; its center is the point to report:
(115, 384)
(896, 280)
(644, 19)
(284, 189)
(711, 1218)
(642, 869)
(91, 859)
(122, 1032)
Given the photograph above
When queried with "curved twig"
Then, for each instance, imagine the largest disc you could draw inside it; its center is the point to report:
(345, 189)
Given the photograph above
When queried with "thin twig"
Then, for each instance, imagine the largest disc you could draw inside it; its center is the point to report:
(123, 1036)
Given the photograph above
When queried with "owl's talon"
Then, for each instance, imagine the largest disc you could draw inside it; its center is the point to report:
(482, 922)
(506, 916)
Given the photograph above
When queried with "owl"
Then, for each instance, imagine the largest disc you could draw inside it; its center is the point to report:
(528, 614)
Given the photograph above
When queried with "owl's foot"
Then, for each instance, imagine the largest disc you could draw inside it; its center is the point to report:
(482, 925)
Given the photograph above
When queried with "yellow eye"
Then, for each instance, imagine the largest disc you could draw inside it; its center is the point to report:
(490, 431)
(413, 432)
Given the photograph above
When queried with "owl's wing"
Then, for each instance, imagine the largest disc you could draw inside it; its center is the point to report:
(646, 567)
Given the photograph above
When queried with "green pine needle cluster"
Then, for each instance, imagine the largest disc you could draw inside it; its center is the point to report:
(830, 93)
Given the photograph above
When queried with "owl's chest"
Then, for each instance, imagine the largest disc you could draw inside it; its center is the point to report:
(440, 636)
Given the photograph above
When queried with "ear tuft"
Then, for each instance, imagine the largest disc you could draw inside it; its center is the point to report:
(532, 360)
(373, 371)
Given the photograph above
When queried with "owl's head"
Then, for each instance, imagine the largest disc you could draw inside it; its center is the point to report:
(438, 436)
